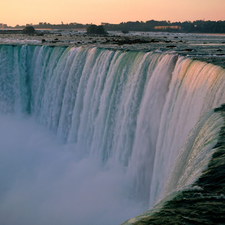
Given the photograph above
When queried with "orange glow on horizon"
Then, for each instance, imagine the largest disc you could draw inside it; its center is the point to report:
(23, 12)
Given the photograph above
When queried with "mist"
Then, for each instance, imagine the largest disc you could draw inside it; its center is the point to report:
(44, 181)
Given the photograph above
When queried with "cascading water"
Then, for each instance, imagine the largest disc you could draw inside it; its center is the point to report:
(131, 110)
(195, 88)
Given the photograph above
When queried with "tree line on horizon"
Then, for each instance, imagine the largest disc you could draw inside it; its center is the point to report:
(198, 26)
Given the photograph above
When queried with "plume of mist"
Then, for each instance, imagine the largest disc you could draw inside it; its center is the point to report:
(45, 182)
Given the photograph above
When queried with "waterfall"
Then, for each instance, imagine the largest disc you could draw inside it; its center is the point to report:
(126, 108)
(195, 88)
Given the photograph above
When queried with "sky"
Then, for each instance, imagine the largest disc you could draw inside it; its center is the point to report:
(13, 12)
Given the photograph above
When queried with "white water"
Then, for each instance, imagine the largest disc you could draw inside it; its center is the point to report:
(195, 154)
(195, 88)
(120, 119)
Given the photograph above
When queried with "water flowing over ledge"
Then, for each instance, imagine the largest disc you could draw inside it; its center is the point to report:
(133, 109)
(194, 190)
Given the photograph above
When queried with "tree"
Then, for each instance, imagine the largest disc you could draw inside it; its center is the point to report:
(28, 30)
(94, 29)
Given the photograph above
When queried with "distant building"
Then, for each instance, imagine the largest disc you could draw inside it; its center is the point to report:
(167, 27)
(2, 26)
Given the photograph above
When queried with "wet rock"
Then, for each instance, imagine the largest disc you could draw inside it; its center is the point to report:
(130, 41)
(154, 41)
(168, 41)
(40, 34)
(189, 50)
(171, 46)
(221, 108)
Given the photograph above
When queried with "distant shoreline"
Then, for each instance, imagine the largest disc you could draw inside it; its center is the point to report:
(19, 31)
(198, 26)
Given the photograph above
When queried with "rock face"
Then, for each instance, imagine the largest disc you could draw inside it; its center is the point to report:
(204, 204)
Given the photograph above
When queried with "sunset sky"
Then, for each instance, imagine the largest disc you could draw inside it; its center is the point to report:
(13, 12)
